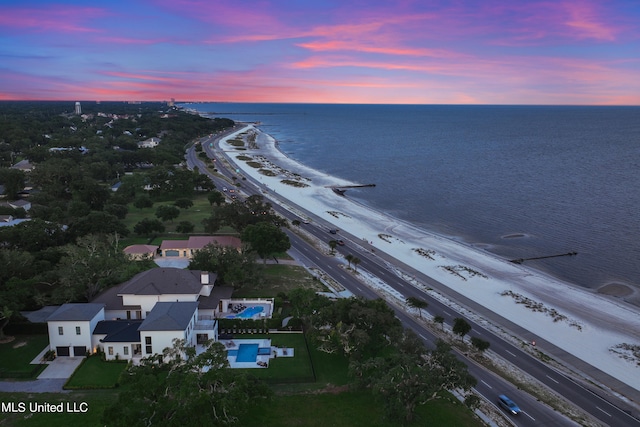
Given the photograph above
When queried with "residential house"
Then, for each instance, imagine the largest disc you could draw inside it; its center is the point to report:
(138, 252)
(21, 203)
(142, 316)
(24, 166)
(149, 143)
(71, 327)
(187, 248)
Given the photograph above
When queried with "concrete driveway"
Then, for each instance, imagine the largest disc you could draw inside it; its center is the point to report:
(61, 368)
(51, 380)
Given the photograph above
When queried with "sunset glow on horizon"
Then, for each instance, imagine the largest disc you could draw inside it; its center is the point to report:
(352, 51)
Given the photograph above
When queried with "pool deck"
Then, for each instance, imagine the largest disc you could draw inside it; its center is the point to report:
(235, 344)
(265, 313)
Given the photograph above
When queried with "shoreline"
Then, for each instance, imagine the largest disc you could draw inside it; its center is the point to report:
(587, 324)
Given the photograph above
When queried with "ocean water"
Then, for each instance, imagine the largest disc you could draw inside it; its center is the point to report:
(517, 181)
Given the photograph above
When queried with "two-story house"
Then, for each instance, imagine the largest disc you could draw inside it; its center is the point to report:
(142, 316)
(71, 327)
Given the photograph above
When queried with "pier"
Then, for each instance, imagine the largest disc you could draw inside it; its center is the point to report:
(341, 189)
(521, 260)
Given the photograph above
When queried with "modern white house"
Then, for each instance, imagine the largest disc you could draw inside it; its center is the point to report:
(149, 143)
(142, 316)
(71, 328)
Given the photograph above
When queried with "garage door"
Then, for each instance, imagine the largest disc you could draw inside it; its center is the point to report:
(79, 351)
(62, 351)
(171, 253)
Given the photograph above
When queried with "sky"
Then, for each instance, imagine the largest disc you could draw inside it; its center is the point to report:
(552, 52)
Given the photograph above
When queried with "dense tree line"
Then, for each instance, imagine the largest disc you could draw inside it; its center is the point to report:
(385, 358)
(68, 250)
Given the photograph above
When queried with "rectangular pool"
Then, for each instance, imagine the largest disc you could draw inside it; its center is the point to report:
(247, 353)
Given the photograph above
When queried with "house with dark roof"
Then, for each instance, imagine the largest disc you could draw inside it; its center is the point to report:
(169, 321)
(142, 316)
(118, 338)
(71, 328)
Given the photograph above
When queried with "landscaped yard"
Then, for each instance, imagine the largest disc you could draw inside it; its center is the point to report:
(17, 355)
(347, 409)
(200, 210)
(96, 373)
(297, 369)
(280, 278)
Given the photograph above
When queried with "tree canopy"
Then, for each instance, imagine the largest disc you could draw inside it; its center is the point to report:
(266, 239)
(176, 390)
(233, 268)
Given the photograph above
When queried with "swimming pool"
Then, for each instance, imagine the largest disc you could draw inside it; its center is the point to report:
(249, 352)
(247, 313)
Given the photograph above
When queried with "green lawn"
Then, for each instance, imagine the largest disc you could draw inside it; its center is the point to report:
(348, 409)
(17, 355)
(285, 369)
(96, 373)
(200, 210)
(280, 278)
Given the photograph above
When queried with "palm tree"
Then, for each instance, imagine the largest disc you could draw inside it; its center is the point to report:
(440, 320)
(332, 245)
(418, 303)
(349, 258)
(355, 262)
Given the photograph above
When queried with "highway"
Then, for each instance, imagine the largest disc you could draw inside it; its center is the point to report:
(606, 409)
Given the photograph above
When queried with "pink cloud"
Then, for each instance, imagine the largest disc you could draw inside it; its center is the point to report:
(587, 22)
(552, 22)
(358, 46)
(130, 41)
(56, 19)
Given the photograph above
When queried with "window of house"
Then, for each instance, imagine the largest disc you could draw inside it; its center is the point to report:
(148, 348)
(128, 314)
(60, 330)
(110, 349)
(125, 350)
(77, 330)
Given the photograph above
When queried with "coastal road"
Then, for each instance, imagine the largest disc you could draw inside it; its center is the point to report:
(602, 407)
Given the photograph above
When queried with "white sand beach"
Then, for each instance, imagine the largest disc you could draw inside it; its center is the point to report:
(585, 324)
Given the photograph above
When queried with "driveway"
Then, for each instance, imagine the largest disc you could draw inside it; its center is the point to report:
(61, 368)
(51, 380)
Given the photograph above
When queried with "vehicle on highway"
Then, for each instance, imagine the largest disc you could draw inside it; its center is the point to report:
(333, 231)
(340, 242)
(508, 404)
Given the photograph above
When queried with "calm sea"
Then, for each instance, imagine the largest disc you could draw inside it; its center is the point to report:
(518, 181)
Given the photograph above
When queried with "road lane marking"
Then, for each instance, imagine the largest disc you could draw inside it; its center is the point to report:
(483, 382)
(603, 411)
(448, 314)
(528, 415)
(555, 381)
(511, 353)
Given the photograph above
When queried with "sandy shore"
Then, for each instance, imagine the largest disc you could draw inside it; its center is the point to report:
(592, 326)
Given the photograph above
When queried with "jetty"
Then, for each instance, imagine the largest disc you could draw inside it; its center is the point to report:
(341, 189)
(521, 260)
